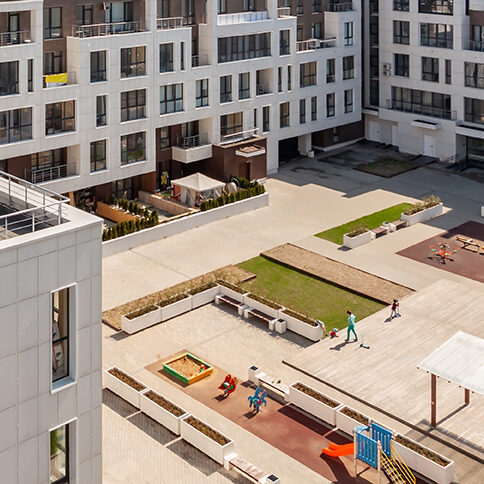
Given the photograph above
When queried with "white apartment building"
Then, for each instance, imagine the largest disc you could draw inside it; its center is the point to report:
(103, 97)
(425, 64)
(50, 349)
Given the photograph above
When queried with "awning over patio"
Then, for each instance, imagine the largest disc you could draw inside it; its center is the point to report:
(193, 188)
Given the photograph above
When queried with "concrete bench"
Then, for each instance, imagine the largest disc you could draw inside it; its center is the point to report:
(250, 470)
(221, 298)
(398, 224)
(258, 314)
(379, 231)
(272, 383)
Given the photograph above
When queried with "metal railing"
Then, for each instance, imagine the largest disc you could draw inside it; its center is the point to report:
(169, 23)
(409, 107)
(476, 45)
(339, 7)
(56, 80)
(186, 142)
(31, 207)
(46, 174)
(240, 136)
(260, 90)
(97, 30)
(283, 12)
(241, 17)
(14, 38)
(313, 44)
(200, 60)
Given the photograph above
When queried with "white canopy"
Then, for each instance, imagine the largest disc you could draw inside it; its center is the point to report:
(194, 188)
(459, 360)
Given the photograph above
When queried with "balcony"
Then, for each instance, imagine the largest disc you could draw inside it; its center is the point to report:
(200, 60)
(169, 23)
(99, 30)
(236, 137)
(283, 12)
(260, 90)
(49, 173)
(339, 7)
(409, 107)
(14, 38)
(192, 148)
(56, 80)
(475, 45)
(241, 17)
(313, 44)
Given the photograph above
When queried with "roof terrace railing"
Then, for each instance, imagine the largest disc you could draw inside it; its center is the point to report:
(240, 136)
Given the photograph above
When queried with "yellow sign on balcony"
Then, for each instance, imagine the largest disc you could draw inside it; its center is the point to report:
(57, 78)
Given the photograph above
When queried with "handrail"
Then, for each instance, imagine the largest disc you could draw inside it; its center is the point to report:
(14, 38)
(410, 107)
(186, 142)
(46, 174)
(401, 463)
(339, 7)
(165, 23)
(239, 136)
(114, 28)
(241, 17)
(283, 12)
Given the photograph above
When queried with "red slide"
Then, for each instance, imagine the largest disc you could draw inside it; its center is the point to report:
(335, 450)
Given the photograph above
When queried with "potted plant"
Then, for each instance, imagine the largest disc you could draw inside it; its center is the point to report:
(162, 410)
(359, 235)
(206, 439)
(232, 290)
(262, 304)
(204, 294)
(124, 385)
(313, 402)
(140, 319)
(174, 305)
(429, 207)
(347, 419)
(301, 324)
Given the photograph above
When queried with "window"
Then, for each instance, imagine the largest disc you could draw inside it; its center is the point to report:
(133, 104)
(255, 117)
(401, 62)
(442, 7)
(348, 33)
(284, 115)
(244, 47)
(163, 8)
(84, 15)
(279, 79)
(52, 22)
(474, 74)
(448, 71)
(52, 63)
(98, 155)
(226, 89)
(30, 75)
(330, 111)
(133, 148)
(348, 67)
(307, 74)
(101, 111)
(123, 188)
(8, 78)
(299, 33)
(244, 85)
(284, 45)
(430, 69)
(374, 92)
(98, 66)
(401, 32)
(330, 70)
(300, 7)
(249, 5)
(437, 35)
(182, 56)
(474, 110)
(15, 125)
(222, 6)
(59, 455)
(40, 162)
(421, 102)
(166, 58)
(316, 30)
(289, 78)
(201, 98)
(400, 5)
(314, 108)
(133, 62)
(349, 101)
(316, 6)
(302, 111)
(164, 137)
(119, 12)
(59, 117)
(266, 119)
(171, 98)
(60, 334)
(230, 124)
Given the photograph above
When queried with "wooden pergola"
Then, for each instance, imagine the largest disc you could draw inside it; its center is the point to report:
(459, 360)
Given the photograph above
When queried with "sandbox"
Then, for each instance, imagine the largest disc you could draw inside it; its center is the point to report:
(187, 368)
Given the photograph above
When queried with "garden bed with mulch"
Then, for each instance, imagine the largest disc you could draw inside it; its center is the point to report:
(206, 430)
(387, 167)
(120, 375)
(168, 406)
(316, 395)
(422, 451)
(355, 416)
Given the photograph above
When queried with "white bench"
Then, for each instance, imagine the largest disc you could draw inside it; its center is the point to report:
(250, 470)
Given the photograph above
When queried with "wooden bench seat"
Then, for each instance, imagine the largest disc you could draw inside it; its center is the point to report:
(399, 224)
(259, 314)
(247, 468)
(229, 300)
(379, 231)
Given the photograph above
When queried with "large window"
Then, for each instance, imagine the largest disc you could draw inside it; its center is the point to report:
(330, 70)
(400, 5)
(101, 111)
(133, 61)
(437, 35)
(249, 5)
(222, 6)
(201, 98)
(53, 63)
(348, 67)
(244, 85)
(98, 155)
(474, 110)
(302, 111)
(430, 69)
(314, 108)
(59, 455)
(266, 124)
(349, 101)
(244, 47)
(60, 333)
(118, 12)
(442, 7)
(133, 104)
(307, 74)
(316, 30)
(226, 89)
(401, 62)
(401, 32)
(474, 75)
(133, 148)
(230, 123)
(164, 137)
(166, 57)
(15, 125)
(421, 102)
(330, 109)
(59, 117)
(284, 115)
(348, 33)
(171, 98)
(284, 46)
(52, 22)
(316, 6)
(8, 78)
(98, 66)
(84, 15)
(448, 71)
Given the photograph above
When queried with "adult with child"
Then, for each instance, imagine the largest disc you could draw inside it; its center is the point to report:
(351, 326)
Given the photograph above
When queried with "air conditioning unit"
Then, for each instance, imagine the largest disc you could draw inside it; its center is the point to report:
(387, 69)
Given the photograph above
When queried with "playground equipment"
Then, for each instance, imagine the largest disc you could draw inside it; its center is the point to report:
(228, 385)
(258, 399)
(443, 252)
(336, 450)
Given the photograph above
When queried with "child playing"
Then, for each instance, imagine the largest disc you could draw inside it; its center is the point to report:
(395, 307)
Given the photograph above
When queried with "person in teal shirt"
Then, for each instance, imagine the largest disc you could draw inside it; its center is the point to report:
(351, 326)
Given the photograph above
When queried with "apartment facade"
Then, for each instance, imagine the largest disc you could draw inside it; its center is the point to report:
(424, 63)
(50, 350)
(106, 97)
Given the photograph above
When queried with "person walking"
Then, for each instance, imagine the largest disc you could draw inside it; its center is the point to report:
(395, 307)
(351, 326)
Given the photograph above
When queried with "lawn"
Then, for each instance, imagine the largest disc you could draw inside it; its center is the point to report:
(387, 167)
(371, 221)
(306, 294)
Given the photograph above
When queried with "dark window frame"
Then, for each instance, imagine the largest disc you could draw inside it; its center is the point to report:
(330, 105)
(401, 32)
(133, 61)
(63, 479)
(307, 74)
(302, 111)
(57, 118)
(348, 97)
(98, 158)
(133, 148)
(348, 67)
(437, 35)
(430, 69)
(225, 89)
(202, 93)
(284, 115)
(474, 75)
(401, 65)
(440, 7)
(314, 108)
(98, 66)
(231, 124)
(171, 98)
(15, 125)
(133, 105)
(52, 31)
(101, 114)
(244, 85)
(266, 119)
(167, 63)
(243, 47)
(9, 78)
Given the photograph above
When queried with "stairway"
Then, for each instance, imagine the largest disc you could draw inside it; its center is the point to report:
(395, 469)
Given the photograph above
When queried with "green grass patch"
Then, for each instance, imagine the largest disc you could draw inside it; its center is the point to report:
(387, 167)
(305, 294)
(371, 221)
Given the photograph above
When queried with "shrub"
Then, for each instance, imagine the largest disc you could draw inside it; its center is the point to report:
(140, 312)
(154, 214)
(203, 287)
(171, 300)
(301, 317)
(265, 301)
(427, 202)
(358, 230)
(234, 287)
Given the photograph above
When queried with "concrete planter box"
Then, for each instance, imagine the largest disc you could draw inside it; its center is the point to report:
(345, 423)
(204, 297)
(424, 466)
(252, 303)
(313, 406)
(313, 333)
(122, 389)
(280, 326)
(208, 446)
(352, 242)
(176, 308)
(226, 291)
(131, 326)
(424, 215)
(113, 213)
(159, 414)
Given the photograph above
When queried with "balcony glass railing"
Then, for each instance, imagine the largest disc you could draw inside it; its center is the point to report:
(313, 44)
(241, 17)
(169, 23)
(339, 7)
(476, 45)
(284, 12)
(200, 60)
(97, 30)
(14, 38)
(187, 142)
(409, 107)
(239, 136)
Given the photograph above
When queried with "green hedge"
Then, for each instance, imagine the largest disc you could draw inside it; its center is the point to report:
(252, 191)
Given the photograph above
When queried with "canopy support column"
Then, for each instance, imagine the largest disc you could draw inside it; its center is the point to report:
(467, 396)
(433, 401)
